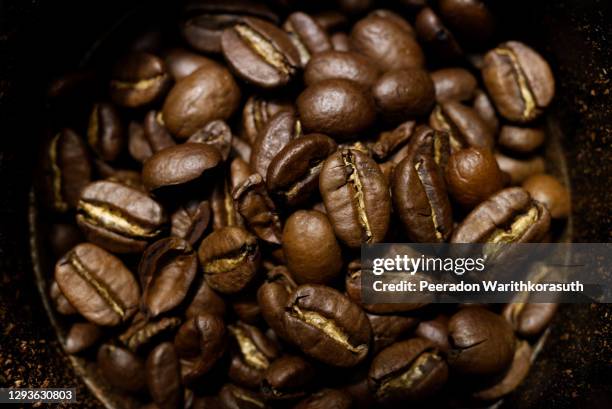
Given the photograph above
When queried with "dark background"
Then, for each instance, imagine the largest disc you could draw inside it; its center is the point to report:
(40, 39)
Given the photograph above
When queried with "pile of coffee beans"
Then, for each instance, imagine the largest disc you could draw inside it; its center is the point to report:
(208, 194)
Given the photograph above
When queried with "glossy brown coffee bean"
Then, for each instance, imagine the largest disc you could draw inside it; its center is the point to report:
(144, 332)
(155, 133)
(254, 353)
(207, 94)
(205, 20)
(341, 65)
(387, 43)
(356, 197)
(163, 373)
(387, 329)
(97, 284)
(272, 297)
(519, 80)
(326, 399)
(259, 211)
(521, 140)
(121, 368)
(436, 331)
(509, 216)
(515, 375)
(327, 326)
(280, 130)
(454, 84)
(60, 302)
(435, 36)
(288, 377)
(138, 79)
(260, 53)
(216, 134)
(464, 126)
(472, 175)
(206, 300)
(471, 20)
(81, 336)
(485, 110)
(482, 342)
(310, 246)
(191, 220)
(391, 141)
(293, 174)
(547, 190)
(520, 169)
(229, 258)
(235, 397)
(410, 370)
(66, 170)
(200, 342)
(182, 63)
(336, 107)
(178, 165)
(402, 94)
(105, 132)
(119, 218)
(529, 320)
(420, 198)
(167, 269)
(308, 37)
(257, 113)
(223, 206)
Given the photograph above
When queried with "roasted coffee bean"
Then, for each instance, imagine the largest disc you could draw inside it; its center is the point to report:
(432, 143)
(454, 84)
(402, 94)
(280, 130)
(519, 80)
(420, 198)
(179, 165)
(509, 216)
(547, 190)
(60, 302)
(336, 107)
(254, 204)
(346, 65)
(529, 320)
(235, 397)
(143, 332)
(223, 206)
(293, 174)
(394, 18)
(62, 237)
(216, 134)
(389, 142)
(387, 43)
(471, 20)
(138, 79)
(472, 175)
(520, 169)
(82, 335)
(191, 220)
(310, 246)
(341, 42)
(207, 94)
(254, 354)
(105, 132)
(182, 63)
(229, 258)
(407, 371)
(200, 342)
(272, 297)
(260, 53)
(326, 399)
(97, 285)
(482, 342)
(66, 170)
(521, 140)
(257, 113)
(436, 331)
(287, 377)
(156, 133)
(327, 326)
(206, 300)
(389, 328)
(138, 146)
(163, 373)
(118, 218)
(121, 368)
(435, 36)
(356, 197)
(308, 37)
(463, 125)
(166, 270)
(485, 110)
(513, 377)
(206, 20)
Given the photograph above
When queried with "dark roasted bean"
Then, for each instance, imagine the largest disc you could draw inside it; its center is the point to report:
(308, 37)
(138, 79)
(163, 377)
(105, 132)
(121, 368)
(346, 65)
